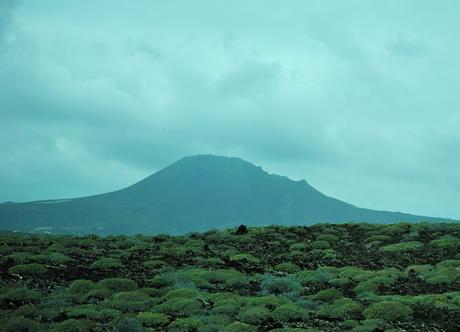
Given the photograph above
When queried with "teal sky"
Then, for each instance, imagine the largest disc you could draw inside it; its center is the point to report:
(360, 98)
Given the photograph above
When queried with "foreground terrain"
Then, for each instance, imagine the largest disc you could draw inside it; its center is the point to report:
(356, 277)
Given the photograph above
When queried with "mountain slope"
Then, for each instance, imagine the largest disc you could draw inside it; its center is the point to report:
(193, 194)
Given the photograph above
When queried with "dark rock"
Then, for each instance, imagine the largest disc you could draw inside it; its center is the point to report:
(242, 229)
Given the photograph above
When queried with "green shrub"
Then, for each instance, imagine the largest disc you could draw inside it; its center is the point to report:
(403, 246)
(93, 312)
(178, 307)
(106, 263)
(155, 264)
(93, 295)
(320, 245)
(15, 324)
(185, 325)
(287, 267)
(244, 258)
(80, 287)
(51, 258)
(153, 319)
(366, 286)
(239, 327)
(339, 282)
(26, 310)
(73, 325)
(370, 325)
(161, 281)
(297, 247)
(229, 309)
(117, 284)
(132, 301)
(186, 293)
(379, 238)
(287, 286)
(128, 324)
(342, 308)
(21, 295)
(449, 263)
(306, 277)
(254, 315)
(210, 262)
(290, 313)
(329, 253)
(446, 242)
(388, 311)
(268, 301)
(442, 275)
(329, 294)
(18, 257)
(419, 268)
(214, 322)
(349, 324)
(28, 269)
(327, 237)
(219, 279)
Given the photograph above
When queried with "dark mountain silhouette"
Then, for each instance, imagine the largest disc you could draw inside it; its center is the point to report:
(193, 194)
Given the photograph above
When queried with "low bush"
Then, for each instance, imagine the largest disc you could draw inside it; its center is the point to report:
(153, 319)
(320, 244)
(287, 267)
(388, 311)
(16, 324)
(117, 284)
(186, 293)
(18, 257)
(244, 258)
(132, 301)
(33, 269)
(73, 325)
(403, 246)
(339, 282)
(268, 301)
(329, 294)
(378, 237)
(446, 242)
(329, 238)
(80, 287)
(297, 247)
(51, 258)
(340, 309)
(254, 315)
(128, 324)
(106, 263)
(285, 286)
(20, 296)
(239, 327)
(290, 312)
(442, 275)
(178, 307)
(184, 325)
(93, 312)
(306, 277)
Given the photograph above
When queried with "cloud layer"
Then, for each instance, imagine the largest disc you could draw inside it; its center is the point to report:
(360, 100)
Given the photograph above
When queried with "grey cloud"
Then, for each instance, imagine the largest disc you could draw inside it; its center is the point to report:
(407, 47)
(309, 90)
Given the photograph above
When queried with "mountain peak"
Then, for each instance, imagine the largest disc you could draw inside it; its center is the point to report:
(194, 193)
(210, 160)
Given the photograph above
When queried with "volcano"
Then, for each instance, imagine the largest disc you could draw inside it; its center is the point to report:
(193, 194)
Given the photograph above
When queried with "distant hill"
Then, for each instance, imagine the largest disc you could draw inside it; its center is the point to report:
(193, 194)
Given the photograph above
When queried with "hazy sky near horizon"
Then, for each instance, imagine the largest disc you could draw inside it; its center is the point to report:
(360, 98)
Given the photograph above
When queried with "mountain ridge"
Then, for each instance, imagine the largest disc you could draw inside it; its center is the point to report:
(194, 193)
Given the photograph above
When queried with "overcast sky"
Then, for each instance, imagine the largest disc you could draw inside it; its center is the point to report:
(360, 98)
